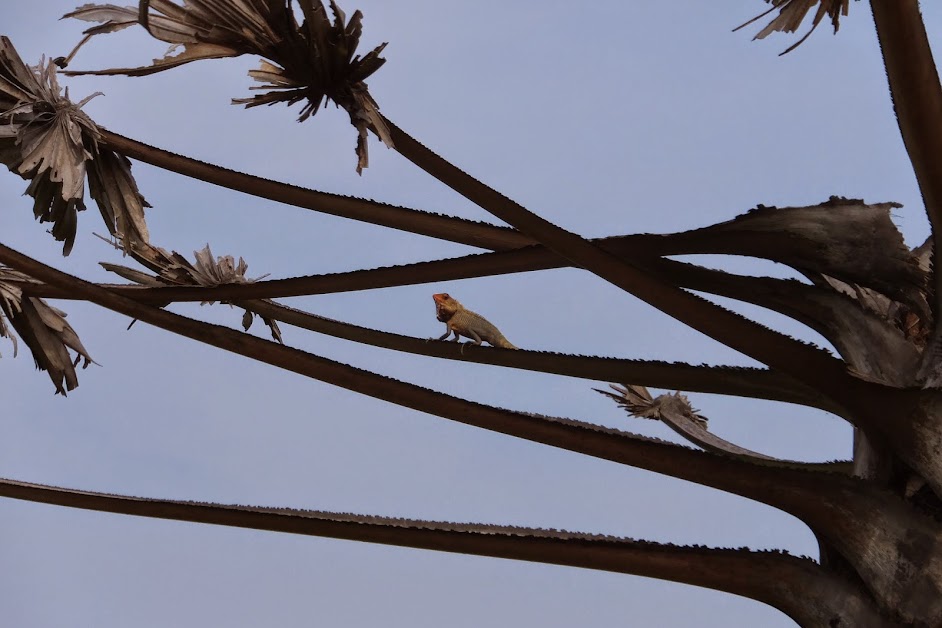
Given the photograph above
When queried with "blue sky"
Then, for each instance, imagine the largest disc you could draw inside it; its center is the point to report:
(624, 117)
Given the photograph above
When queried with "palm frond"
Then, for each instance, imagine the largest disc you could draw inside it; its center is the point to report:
(675, 411)
(44, 330)
(791, 14)
(175, 270)
(48, 140)
(314, 61)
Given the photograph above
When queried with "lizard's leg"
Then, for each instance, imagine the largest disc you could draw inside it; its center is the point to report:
(474, 339)
(447, 333)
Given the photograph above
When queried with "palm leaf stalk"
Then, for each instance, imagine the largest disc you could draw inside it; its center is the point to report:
(799, 587)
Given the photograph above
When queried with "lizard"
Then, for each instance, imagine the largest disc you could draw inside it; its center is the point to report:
(464, 322)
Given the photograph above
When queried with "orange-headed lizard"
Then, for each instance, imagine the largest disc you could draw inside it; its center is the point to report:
(464, 322)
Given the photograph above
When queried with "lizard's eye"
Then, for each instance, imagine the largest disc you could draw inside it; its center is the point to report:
(445, 296)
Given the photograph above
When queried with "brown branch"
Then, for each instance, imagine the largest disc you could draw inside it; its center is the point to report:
(700, 436)
(917, 99)
(468, 232)
(797, 586)
(798, 301)
(870, 343)
(860, 336)
(675, 411)
(742, 382)
(526, 259)
(823, 310)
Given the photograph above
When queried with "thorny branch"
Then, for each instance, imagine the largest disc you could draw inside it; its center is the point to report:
(786, 582)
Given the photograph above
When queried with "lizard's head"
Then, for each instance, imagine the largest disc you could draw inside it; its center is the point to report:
(444, 302)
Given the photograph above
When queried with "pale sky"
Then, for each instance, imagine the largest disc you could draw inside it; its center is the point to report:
(619, 117)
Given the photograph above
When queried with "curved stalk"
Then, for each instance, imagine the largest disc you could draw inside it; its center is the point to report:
(458, 230)
(738, 381)
(917, 99)
(741, 382)
(785, 582)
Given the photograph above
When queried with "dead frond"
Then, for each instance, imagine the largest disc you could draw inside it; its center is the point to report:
(791, 13)
(10, 297)
(313, 61)
(174, 269)
(121, 203)
(44, 330)
(675, 411)
(46, 139)
(638, 402)
(50, 141)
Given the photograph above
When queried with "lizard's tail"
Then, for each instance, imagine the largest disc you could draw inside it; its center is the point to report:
(503, 343)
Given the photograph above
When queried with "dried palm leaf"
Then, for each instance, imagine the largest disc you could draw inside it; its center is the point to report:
(314, 61)
(44, 330)
(121, 203)
(792, 13)
(637, 400)
(174, 269)
(675, 411)
(10, 297)
(46, 138)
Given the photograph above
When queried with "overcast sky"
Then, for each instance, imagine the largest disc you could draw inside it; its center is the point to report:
(624, 117)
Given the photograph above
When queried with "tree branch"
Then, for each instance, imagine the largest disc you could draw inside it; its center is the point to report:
(869, 342)
(799, 301)
(450, 228)
(675, 411)
(738, 381)
(917, 99)
(741, 382)
(783, 581)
